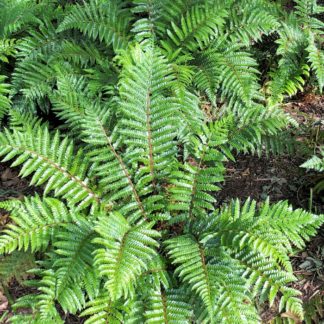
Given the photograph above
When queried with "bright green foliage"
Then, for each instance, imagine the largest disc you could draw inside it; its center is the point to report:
(316, 163)
(152, 99)
(4, 99)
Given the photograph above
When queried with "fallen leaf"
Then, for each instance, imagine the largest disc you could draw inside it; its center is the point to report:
(3, 302)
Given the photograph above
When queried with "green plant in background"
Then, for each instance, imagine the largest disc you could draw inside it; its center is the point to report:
(127, 229)
(316, 163)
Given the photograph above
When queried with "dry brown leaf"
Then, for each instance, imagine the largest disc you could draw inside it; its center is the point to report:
(3, 302)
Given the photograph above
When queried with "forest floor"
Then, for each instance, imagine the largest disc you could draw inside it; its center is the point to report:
(279, 177)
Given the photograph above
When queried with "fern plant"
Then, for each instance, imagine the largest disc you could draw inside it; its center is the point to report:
(316, 163)
(128, 229)
(213, 46)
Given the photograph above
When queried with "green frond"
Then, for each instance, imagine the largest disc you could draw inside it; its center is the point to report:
(233, 302)
(46, 298)
(125, 253)
(74, 262)
(306, 10)
(35, 79)
(7, 48)
(297, 51)
(148, 122)
(106, 21)
(114, 175)
(20, 122)
(5, 102)
(237, 74)
(260, 240)
(189, 257)
(34, 223)
(249, 20)
(192, 184)
(168, 306)
(38, 45)
(35, 317)
(155, 277)
(103, 310)
(70, 101)
(315, 162)
(146, 28)
(15, 15)
(197, 27)
(257, 129)
(316, 59)
(81, 53)
(51, 161)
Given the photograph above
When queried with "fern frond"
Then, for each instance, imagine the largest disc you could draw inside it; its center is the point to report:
(148, 123)
(74, 248)
(315, 163)
(248, 23)
(198, 27)
(5, 102)
(35, 222)
(7, 48)
(15, 15)
(147, 27)
(292, 69)
(53, 161)
(103, 310)
(189, 257)
(106, 21)
(168, 307)
(237, 73)
(125, 253)
(316, 59)
(113, 173)
(192, 183)
(261, 240)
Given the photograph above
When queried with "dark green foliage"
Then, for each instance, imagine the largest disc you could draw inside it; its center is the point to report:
(128, 229)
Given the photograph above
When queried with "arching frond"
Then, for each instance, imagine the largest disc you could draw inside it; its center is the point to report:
(51, 161)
